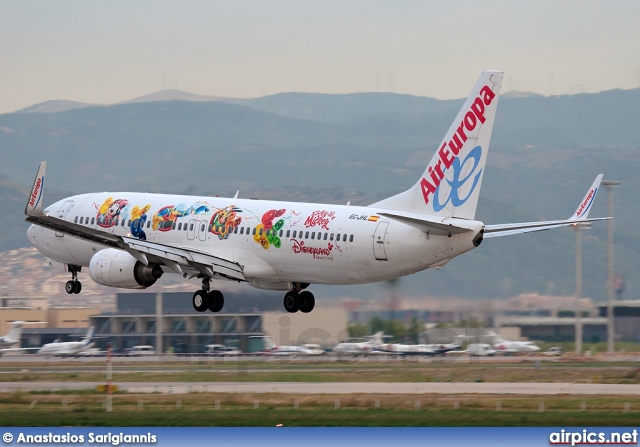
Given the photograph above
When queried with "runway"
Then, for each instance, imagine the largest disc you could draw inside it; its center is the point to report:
(445, 388)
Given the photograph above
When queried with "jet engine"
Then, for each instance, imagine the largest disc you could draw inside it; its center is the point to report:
(117, 268)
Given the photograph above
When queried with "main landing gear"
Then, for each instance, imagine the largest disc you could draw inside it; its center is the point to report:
(73, 286)
(208, 299)
(299, 301)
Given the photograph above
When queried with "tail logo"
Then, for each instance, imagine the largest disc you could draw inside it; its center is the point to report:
(586, 204)
(448, 153)
(456, 182)
(36, 194)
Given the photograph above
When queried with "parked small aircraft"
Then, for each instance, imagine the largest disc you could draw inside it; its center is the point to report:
(68, 348)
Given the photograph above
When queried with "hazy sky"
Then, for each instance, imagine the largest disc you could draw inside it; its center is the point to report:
(106, 52)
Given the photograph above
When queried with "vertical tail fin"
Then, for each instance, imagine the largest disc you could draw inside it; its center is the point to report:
(376, 339)
(87, 338)
(450, 185)
(15, 333)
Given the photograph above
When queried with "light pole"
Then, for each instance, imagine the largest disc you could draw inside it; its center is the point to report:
(610, 184)
(578, 229)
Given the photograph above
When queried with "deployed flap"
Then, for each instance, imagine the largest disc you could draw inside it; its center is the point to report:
(206, 263)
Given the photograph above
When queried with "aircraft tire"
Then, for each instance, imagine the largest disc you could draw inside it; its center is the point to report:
(69, 287)
(307, 301)
(292, 302)
(200, 301)
(77, 288)
(216, 301)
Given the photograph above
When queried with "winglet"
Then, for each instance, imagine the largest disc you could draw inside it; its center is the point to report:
(583, 209)
(34, 203)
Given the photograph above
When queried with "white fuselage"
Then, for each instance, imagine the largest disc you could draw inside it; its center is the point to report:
(510, 347)
(275, 243)
(64, 348)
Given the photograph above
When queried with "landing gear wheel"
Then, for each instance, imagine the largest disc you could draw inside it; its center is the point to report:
(69, 287)
(292, 302)
(201, 301)
(307, 302)
(77, 288)
(216, 301)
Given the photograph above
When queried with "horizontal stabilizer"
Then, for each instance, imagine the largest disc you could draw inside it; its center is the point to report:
(430, 224)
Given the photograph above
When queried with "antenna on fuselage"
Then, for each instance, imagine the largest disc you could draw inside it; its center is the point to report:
(236, 196)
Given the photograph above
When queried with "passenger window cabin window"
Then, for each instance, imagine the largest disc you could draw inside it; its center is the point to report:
(326, 235)
(93, 220)
(281, 233)
(122, 223)
(338, 237)
(294, 233)
(173, 226)
(260, 232)
(75, 220)
(331, 237)
(129, 223)
(210, 227)
(288, 233)
(235, 230)
(313, 235)
(148, 224)
(242, 230)
(190, 227)
(351, 238)
(254, 231)
(344, 238)
(82, 219)
(180, 226)
(306, 235)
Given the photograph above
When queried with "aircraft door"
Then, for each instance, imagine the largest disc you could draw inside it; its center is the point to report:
(62, 213)
(379, 241)
(191, 229)
(202, 230)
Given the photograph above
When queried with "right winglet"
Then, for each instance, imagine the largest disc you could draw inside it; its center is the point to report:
(34, 203)
(585, 206)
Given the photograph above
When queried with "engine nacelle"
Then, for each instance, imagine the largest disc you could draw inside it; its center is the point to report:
(117, 268)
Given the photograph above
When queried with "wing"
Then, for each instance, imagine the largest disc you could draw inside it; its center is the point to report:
(179, 259)
(578, 217)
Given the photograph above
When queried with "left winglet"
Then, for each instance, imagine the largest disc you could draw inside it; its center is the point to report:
(34, 203)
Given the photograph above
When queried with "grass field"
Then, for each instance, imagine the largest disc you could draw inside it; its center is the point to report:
(87, 408)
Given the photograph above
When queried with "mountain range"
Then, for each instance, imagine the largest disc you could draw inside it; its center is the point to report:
(356, 148)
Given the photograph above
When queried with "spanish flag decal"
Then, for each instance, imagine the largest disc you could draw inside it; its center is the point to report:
(373, 218)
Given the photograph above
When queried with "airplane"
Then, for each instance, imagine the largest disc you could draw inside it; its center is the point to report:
(307, 349)
(8, 342)
(503, 346)
(362, 348)
(419, 349)
(13, 336)
(129, 240)
(68, 348)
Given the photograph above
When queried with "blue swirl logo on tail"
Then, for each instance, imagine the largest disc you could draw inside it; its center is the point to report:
(456, 182)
